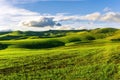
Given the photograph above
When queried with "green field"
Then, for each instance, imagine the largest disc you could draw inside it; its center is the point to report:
(60, 55)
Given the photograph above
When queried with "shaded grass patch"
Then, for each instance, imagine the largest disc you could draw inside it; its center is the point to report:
(39, 44)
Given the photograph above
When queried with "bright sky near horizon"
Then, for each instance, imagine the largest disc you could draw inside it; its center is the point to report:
(39, 15)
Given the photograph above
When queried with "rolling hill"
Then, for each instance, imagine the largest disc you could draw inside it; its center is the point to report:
(60, 55)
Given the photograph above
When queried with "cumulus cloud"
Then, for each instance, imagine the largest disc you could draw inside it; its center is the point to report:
(107, 17)
(10, 15)
(41, 22)
(111, 17)
(92, 16)
(66, 18)
(8, 10)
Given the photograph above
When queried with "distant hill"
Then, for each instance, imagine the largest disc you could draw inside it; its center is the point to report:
(35, 34)
(98, 33)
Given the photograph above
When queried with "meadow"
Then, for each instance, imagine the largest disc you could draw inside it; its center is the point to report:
(60, 55)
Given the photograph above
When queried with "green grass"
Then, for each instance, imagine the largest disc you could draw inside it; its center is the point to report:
(39, 44)
(74, 56)
(81, 61)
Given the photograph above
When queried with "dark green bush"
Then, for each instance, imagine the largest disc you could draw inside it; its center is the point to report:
(40, 44)
(88, 37)
(117, 39)
(2, 46)
(74, 39)
(9, 37)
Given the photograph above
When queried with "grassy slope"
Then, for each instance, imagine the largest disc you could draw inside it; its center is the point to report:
(88, 61)
(79, 59)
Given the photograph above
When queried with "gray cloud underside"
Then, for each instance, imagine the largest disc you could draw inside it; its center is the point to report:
(42, 22)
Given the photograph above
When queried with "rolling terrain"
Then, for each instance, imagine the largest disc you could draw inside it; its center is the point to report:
(60, 55)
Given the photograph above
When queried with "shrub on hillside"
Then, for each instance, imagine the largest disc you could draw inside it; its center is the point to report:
(9, 37)
(2, 46)
(115, 38)
(89, 37)
(74, 39)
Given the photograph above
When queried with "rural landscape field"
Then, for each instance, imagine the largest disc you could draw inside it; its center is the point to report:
(60, 55)
(59, 39)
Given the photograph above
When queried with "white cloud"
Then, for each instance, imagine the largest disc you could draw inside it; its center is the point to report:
(80, 28)
(107, 9)
(96, 16)
(10, 15)
(41, 22)
(13, 11)
(68, 27)
(65, 27)
(92, 17)
(111, 17)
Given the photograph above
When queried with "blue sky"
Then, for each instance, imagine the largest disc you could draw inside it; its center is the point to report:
(72, 7)
(41, 15)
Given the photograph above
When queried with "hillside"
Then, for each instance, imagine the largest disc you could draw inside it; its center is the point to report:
(33, 34)
(60, 55)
